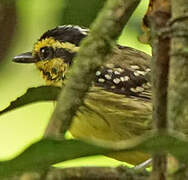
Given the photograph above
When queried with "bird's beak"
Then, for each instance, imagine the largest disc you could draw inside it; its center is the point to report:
(24, 58)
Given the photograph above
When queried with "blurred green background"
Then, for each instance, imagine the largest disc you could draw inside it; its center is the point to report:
(21, 127)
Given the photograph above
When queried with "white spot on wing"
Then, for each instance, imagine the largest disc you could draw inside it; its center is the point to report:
(101, 80)
(141, 72)
(139, 89)
(110, 70)
(116, 81)
(98, 73)
(136, 73)
(116, 72)
(122, 79)
(119, 70)
(127, 78)
(133, 90)
(135, 67)
(148, 70)
(107, 76)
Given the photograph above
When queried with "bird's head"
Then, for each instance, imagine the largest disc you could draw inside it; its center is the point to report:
(54, 51)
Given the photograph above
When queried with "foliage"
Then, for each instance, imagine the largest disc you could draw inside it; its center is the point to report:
(52, 151)
(47, 152)
(42, 93)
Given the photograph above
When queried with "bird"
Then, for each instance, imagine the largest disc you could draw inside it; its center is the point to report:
(118, 104)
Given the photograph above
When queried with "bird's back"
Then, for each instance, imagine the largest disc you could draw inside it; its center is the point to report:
(120, 112)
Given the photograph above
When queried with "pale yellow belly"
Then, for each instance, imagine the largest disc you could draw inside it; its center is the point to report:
(112, 117)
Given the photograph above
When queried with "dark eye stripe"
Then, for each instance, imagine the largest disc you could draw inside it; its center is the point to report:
(65, 54)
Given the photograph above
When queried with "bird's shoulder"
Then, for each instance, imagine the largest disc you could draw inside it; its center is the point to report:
(127, 72)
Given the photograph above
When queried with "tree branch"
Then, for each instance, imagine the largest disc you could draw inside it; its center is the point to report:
(93, 51)
(88, 173)
(178, 81)
(92, 55)
(158, 16)
(178, 76)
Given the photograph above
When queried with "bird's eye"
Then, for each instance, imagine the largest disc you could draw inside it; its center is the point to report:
(46, 53)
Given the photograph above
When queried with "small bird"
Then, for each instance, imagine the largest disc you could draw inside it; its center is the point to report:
(118, 105)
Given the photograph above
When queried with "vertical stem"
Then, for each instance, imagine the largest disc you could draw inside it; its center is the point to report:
(178, 77)
(158, 16)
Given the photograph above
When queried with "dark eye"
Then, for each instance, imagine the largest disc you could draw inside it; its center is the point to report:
(46, 53)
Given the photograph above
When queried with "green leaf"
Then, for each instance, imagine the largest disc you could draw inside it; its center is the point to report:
(81, 12)
(42, 93)
(47, 152)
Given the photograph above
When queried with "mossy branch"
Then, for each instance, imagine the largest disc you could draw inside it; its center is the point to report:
(178, 77)
(87, 173)
(159, 16)
(93, 51)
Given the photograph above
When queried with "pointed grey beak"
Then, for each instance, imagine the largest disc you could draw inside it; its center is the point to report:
(24, 58)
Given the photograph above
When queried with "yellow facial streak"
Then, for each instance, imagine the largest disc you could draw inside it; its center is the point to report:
(55, 44)
(44, 42)
(52, 70)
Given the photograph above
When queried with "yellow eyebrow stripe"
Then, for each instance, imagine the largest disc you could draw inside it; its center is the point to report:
(55, 44)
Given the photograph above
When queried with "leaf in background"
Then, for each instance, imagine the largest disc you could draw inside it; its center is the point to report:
(81, 12)
(47, 152)
(42, 93)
